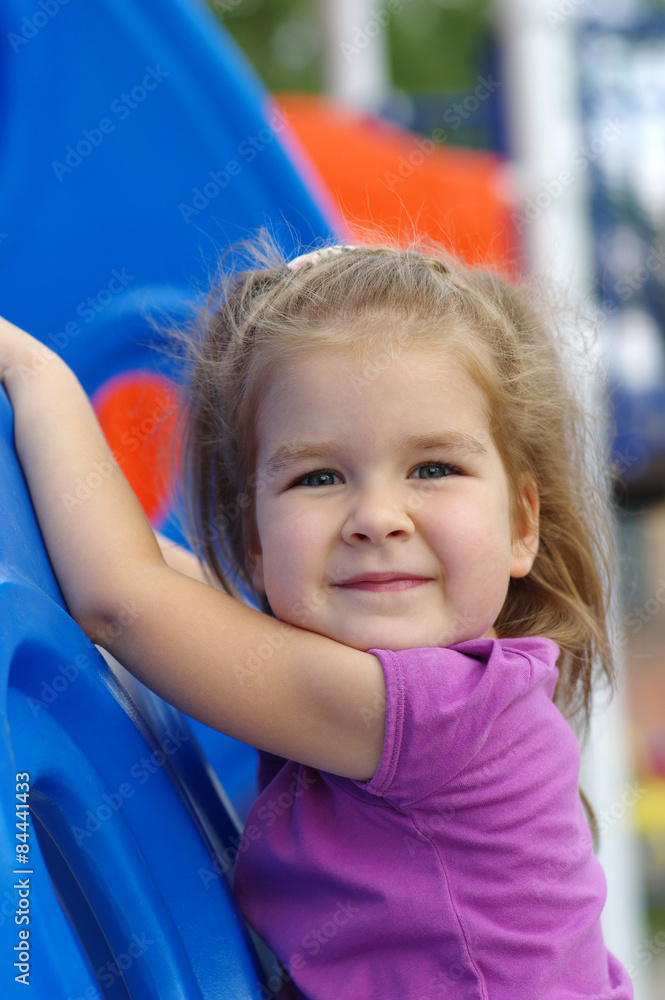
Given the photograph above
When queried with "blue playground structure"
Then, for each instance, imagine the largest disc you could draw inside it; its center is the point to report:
(137, 144)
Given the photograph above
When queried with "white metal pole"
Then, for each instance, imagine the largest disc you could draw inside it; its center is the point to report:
(539, 77)
(356, 57)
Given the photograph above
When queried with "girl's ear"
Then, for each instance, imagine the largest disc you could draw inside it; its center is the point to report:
(526, 538)
(255, 566)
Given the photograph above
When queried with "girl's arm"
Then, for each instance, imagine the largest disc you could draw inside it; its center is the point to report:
(183, 560)
(284, 689)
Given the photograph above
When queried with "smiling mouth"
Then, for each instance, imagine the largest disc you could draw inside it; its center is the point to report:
(382, 582)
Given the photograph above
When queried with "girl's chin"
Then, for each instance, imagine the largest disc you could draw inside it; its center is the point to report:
(385, 638)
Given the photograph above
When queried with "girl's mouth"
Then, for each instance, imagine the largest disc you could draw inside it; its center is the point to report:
(383, 582)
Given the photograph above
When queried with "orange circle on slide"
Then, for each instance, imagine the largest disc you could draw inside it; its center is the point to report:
(137, 412)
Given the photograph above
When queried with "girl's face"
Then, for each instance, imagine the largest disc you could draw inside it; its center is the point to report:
(391, 471)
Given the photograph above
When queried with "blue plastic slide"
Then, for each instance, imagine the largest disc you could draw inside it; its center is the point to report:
(136, 144)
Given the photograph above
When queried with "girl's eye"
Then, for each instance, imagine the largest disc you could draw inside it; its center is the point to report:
(437, 470)
(427, 470)
(321, 477)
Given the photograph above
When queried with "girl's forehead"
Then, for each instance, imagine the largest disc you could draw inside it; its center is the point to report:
(363, 364)
(340, 390)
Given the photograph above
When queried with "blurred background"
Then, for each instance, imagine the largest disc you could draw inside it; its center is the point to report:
(526, 134)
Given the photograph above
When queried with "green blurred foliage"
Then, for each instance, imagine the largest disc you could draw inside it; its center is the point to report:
(434, 44)
(281, 39)
(438, 46)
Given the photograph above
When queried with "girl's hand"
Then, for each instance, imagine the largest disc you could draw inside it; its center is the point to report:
(21, 352)
(94, 527)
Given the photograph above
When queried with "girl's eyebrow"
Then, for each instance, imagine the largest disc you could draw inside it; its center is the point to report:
(287, 454)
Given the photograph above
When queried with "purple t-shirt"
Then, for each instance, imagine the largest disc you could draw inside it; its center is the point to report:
(463, 869)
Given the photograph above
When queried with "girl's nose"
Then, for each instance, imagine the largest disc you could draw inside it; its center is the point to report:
(375, 518)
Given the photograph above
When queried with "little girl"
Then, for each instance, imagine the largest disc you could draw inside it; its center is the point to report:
(389, 452)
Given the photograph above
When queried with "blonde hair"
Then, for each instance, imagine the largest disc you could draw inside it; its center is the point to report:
(370, 299)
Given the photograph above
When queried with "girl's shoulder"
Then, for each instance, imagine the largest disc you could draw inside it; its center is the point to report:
(536, 647)
(445, 704)
(539, 652)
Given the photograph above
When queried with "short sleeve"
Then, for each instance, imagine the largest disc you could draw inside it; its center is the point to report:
(441, 705)
(269, 765)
